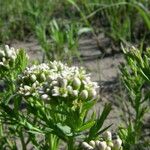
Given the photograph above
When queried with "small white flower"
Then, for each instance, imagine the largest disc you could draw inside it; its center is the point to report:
(92, 93)
(110, 143)
(48, 90)
(27, 94)
(69, 89)
(3, 59)
(84, 95)
(102, 145)
(75, 93)
(44, 96)
(92, 143)
(42, 77)
(2, 53)
(107, 135)
(54, 83)
(76, 83)
(27, 88)
(55, 91)
(97, 143)
(7, 47)
(108, 148)
(63, 82)
(34, 85)
(1, 63)
(87, 146)
(117, 143)
(33, 77)
(13, 57)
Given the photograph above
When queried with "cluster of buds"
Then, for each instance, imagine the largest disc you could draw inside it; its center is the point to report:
(7, 56)
(32, 79)
(68, 83)
(106, 143)
(57, 80)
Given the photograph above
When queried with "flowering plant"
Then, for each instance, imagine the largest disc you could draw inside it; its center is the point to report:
(53, 100)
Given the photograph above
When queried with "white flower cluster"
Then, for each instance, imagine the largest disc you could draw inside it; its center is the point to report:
(32, 79)
(57, 80)
(7, 56)
(69, 83)
(106, 144)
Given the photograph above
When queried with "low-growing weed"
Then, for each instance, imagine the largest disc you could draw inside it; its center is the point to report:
(135, 77)
(47, 104)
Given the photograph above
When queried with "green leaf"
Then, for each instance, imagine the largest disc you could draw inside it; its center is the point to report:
(21, 61)
(99, 121)
(64, 129)
(103, 130)
(86, 126)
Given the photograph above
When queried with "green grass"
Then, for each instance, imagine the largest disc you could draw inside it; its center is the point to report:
(19, 18)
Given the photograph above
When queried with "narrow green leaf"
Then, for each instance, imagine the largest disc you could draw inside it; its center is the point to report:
(86, 126)
(100, 121)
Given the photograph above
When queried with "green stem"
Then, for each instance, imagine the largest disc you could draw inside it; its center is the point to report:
(71, 144)
(22, 140)
(1, 129)
(53, 142)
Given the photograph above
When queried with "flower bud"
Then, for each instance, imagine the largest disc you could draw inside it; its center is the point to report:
(34, 85)
(117, 144)
(108, 148)
(42, 77)
(27, 88)
(69, 89)
(33, 77)
(84, 95)
(63, 82)
(2, 54)
(76, 83)
(48, 89)
(1, 64)
(9, 53)
(3, 59)
(54, 83)
(44, 96)
(87, 146)
(97, 143)
(107, 135)
(75, 93)
(110, 143)
(102, 145)
(55, 91)
(13, 57)
(27, 94)
(6, 47)
(92, 93)
(92, 143)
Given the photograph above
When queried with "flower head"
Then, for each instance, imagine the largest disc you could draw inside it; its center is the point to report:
(58, 81)
(7, 56)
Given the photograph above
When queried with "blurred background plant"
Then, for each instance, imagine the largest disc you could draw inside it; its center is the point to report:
(121, 20)
(62, 42)
(136, 79)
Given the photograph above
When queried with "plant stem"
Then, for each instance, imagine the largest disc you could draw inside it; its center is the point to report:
(22, 140)
(71, 144)
(53, 142)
